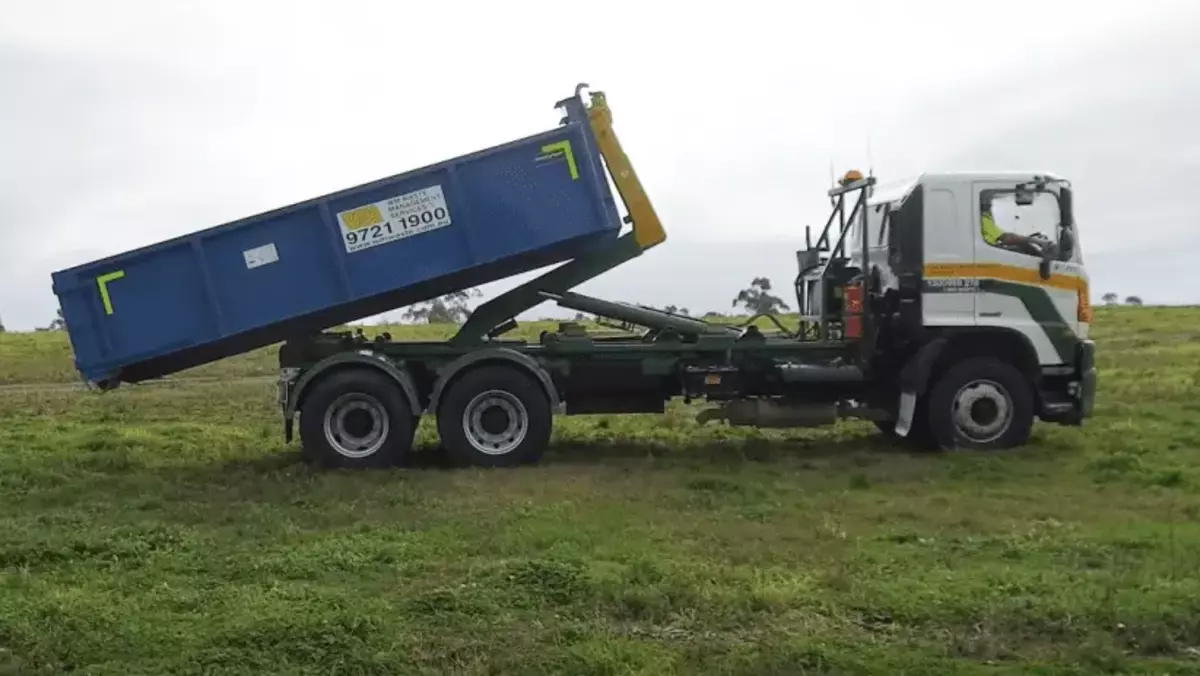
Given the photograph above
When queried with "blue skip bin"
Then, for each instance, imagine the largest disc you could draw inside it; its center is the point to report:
(401, 240)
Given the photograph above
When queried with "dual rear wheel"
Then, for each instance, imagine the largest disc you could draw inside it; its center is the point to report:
(491, 416)
(495, 416)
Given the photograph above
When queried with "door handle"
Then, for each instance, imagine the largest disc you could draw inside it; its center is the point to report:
(990, 314)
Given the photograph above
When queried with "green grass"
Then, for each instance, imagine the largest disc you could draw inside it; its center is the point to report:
(167, 529)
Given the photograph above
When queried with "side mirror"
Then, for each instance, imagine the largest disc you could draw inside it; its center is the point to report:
(1044, 267)
(1066, 230)
(1066, 210)
(1066, 244)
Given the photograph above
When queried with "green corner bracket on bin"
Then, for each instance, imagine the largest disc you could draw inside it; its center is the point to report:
(102, 283)
(551, 150)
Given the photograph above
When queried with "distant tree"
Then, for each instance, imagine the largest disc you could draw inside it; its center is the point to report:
(448, 309)
(1, 326)
(712, 314)
(1133, 300)
(675, 310)
(758, 298)
(58, 324)
(1110, 298)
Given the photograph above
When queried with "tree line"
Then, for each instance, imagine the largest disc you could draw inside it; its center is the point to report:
(1111, 299)
(454, 308)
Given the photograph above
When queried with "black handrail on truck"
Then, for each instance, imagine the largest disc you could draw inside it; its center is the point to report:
(815, 271)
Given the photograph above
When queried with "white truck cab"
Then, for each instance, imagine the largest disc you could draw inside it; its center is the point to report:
(996, 252)
(967, 289)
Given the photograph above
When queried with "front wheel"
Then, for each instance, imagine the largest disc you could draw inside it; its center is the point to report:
(495, 416)
(981, 403)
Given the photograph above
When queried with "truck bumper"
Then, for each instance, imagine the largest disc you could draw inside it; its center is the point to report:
(1074, 403)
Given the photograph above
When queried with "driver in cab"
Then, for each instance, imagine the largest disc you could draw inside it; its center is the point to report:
(993, 235)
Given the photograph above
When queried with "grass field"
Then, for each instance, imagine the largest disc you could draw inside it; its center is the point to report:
(167, 529)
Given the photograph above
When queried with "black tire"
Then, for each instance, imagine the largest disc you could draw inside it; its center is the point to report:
(518, 415)
(365, 403)
(1001, 415)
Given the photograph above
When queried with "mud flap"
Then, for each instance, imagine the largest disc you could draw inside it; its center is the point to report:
(908, 404)
(914, 379)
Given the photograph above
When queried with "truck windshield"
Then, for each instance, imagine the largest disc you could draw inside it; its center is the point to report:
(1041, 217)
(1035, 215)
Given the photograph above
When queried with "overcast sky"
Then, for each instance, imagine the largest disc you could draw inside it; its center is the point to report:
(123, 123)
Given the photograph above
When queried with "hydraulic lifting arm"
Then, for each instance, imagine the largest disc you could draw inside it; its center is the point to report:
(647, 229)
(489, 318)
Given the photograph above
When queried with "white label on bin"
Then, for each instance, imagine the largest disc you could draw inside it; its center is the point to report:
(260, 256)
(392, 219)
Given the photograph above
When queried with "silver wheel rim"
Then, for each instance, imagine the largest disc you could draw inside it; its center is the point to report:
(356, 425)
(983, 411)
(495, 422)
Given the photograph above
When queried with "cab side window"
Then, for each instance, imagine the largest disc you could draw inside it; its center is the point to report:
(1023, 226)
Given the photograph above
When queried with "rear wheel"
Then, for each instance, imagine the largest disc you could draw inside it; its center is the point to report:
(356, 418)
(981, 403)
(495, 416)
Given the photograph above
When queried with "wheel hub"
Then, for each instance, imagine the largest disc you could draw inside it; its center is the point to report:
(495, 422)
(983, 410)
(356, 425)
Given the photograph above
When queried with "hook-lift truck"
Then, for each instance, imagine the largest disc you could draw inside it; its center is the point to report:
(917, 310)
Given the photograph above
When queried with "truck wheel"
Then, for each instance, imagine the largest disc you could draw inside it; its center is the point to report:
(356, 418)
(981, 403)
(495, 416)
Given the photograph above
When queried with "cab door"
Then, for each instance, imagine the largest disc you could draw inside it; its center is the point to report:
(948, 297)
(1013, 292)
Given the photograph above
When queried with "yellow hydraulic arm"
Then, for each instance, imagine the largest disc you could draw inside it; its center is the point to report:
(495, 316)
(647, 229)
